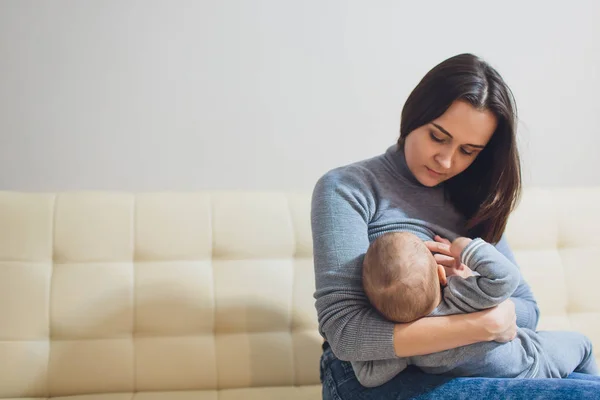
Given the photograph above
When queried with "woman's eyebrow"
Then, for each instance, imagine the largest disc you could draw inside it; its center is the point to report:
(444, 131)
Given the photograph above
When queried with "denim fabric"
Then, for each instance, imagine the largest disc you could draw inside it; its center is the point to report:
(340, 383)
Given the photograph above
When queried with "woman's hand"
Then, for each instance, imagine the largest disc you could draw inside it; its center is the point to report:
(501, 322)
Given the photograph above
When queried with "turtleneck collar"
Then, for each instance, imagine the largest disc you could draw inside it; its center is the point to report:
(395, 155)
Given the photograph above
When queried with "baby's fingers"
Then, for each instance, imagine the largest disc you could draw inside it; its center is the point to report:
(440, 239)
(437, 247)
(444, 260)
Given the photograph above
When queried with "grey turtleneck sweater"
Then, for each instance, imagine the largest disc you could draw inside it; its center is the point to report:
(353, 204)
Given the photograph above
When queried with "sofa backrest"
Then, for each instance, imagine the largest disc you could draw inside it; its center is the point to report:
(113, 292)
(555, 235)
(120, 292)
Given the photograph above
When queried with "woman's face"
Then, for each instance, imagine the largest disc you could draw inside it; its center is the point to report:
(445, 147)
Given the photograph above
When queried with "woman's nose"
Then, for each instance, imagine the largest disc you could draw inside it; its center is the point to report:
(444, 159)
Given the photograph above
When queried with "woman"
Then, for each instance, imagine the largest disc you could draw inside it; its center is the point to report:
(456, 171)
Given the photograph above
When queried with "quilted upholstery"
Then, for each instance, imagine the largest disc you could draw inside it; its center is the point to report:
(208, 295)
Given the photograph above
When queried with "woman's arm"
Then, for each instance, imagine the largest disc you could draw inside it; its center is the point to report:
(340, 212)
(341, 208)
(528, 312)
(433, 334)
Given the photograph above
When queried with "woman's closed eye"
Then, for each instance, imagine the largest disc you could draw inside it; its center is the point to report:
(438, 139)
(466, 152)
(435, 138)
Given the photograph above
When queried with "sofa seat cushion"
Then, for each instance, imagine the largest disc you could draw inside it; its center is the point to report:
(268, 393)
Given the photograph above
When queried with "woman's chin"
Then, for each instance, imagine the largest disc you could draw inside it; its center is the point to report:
(429, 181)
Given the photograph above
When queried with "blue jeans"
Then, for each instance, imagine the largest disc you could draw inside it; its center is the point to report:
(340, 383)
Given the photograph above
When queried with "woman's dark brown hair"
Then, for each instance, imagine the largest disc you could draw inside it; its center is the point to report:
(487, 191)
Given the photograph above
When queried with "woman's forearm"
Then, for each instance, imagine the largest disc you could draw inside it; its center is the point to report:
(433, 334)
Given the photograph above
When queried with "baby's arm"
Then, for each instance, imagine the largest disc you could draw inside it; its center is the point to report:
(498, 278)
(376, 373)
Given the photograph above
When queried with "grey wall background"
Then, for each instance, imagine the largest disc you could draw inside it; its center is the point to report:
(186, 95)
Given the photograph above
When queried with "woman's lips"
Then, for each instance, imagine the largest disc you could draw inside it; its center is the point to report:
(433, 172)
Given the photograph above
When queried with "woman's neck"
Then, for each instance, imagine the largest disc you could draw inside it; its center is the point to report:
(395, 154)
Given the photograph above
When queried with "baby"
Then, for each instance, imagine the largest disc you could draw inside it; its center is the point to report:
(404, 282)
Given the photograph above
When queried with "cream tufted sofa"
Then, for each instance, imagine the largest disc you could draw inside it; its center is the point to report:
(181, 296)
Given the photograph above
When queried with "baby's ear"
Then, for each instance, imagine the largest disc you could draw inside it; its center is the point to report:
(442, 275)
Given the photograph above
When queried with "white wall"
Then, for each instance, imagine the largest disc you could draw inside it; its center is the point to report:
(184, 95)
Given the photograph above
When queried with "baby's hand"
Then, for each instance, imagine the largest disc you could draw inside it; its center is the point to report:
(462, 270)
(457, 247)
(448, 255)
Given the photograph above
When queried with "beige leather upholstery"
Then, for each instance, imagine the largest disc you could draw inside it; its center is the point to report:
(181, 296)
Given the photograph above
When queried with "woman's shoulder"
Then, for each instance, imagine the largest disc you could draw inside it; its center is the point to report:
(357, 176)
(356, 186)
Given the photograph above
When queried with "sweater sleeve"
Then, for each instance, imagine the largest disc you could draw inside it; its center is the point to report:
(528, 312)
(496, 281)
(376, 373)
(340, 210)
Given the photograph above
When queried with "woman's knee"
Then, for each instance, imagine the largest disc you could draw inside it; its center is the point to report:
(589, 346)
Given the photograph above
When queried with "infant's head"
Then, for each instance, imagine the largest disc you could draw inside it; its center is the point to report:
(400, 277)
